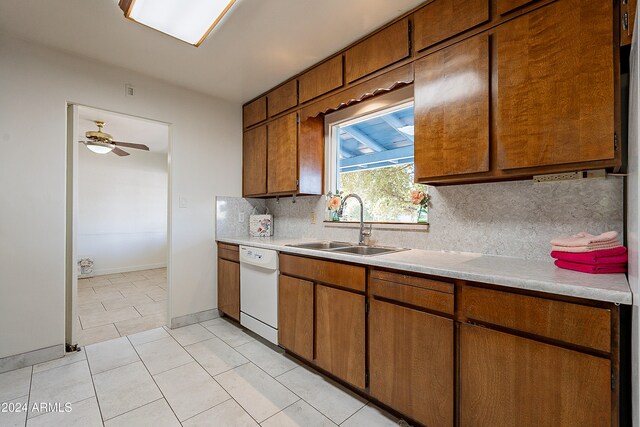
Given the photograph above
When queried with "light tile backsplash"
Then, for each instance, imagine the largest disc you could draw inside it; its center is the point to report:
(510, 218)
(227, 213)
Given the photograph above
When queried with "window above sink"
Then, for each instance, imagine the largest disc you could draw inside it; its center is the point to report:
(370, 152)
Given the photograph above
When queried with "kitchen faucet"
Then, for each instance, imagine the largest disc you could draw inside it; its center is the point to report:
(363, 233)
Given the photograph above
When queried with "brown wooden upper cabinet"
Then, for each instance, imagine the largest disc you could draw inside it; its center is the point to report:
(282, 156)
(321, 79)
(451, 90)
(555, 85)
(255, 112)
(442, 19)
(384, 48)
(283, 98)
(254, 161)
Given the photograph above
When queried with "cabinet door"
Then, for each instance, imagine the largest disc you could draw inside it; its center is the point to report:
(340, 333)
(295, 316)
(229, 288)
(555, 85)
(283, 98)
(282, 140)
(507, 380)
(441, 19)
(321, 79)
(254, 162)
(376, 52)
(452, 110)
(255, 112)
(411, 362)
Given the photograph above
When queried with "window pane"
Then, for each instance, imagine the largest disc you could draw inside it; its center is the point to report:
(375, 161)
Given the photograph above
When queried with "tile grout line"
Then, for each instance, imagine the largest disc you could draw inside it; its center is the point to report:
(95, 392)
(154, 381)
(208, 409)
(214, 379)
(284, 409)
(135, 409)
(26, 417)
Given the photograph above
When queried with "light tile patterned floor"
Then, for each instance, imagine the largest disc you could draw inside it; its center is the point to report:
(207, 374)
(121, 304)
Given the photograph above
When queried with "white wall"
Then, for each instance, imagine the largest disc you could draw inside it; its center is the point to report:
(633, 203)
(122, 210)
(205, 160)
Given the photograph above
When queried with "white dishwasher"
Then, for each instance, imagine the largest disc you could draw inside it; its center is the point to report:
(259, 291)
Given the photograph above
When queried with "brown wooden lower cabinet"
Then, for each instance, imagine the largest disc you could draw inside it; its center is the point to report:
(295, 316)
(229, 288)
(411, 362)
(506, 380)
(445, 353)
(340, 334)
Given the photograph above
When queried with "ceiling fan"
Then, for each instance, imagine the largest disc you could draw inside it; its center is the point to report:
(101, 142)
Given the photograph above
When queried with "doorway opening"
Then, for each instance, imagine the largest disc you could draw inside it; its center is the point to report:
(117, 226)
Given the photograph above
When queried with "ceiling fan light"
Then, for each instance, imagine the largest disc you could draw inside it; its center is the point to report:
(188, 20)
(99, 148)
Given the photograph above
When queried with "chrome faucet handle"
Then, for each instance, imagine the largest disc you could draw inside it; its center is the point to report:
(367, 230)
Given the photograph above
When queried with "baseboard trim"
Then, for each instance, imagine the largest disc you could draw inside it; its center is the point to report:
(127, 269)
(29, 358)
(190, 319)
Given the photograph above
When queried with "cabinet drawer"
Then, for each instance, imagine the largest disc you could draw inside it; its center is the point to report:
(229, 252)
(333, 273)
(376, 52)
(442, 19)
(283, 98)
(255, 112)
(506, 6)
(572, 323)
(420, 297)
(321, 79)
(421, 282)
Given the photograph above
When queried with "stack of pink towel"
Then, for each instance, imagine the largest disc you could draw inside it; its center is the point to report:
(585, 252)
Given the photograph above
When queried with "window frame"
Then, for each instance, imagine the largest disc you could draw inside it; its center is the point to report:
(388, 102)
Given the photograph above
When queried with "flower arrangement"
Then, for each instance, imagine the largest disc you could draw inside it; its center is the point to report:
(333, 204)
(421, 199)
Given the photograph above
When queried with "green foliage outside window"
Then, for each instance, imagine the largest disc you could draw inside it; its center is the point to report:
(386, 193)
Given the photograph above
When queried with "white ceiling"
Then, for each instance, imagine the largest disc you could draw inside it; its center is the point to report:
(258, 44)
(125, 128)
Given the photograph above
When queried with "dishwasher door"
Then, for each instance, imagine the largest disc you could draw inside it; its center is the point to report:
(259, 291)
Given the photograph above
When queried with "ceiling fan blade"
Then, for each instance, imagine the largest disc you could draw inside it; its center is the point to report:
(131, 145)
(119, 152)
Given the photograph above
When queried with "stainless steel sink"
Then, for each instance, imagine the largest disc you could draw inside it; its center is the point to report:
(348, 248)
(368, 250)
(323, 246)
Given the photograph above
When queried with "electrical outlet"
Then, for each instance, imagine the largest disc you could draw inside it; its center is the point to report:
(314, 218)
(183, 202)
(240, 216)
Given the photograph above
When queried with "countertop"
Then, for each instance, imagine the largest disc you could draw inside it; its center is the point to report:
(534, 275)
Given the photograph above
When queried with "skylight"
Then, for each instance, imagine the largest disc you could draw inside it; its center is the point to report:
(188, 20)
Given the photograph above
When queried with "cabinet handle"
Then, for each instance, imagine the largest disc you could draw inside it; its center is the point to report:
(625, 22)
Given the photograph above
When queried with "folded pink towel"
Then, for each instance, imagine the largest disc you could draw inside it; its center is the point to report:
(585, 239)
(590, 248)
(592, 269)
(607, 256)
